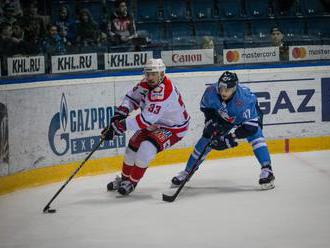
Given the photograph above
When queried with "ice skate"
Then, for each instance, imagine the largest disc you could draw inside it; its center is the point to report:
(126, 187)
(114, 185)
(178, 179)
(267, 178)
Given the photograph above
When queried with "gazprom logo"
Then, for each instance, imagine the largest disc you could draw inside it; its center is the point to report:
(72, 130)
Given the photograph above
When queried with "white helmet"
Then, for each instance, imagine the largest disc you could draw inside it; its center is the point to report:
(154, 65)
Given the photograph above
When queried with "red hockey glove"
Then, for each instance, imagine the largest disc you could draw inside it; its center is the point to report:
(121, 113)
(119, 127)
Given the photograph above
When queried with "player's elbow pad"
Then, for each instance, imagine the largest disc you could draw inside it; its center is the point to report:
(245, 131)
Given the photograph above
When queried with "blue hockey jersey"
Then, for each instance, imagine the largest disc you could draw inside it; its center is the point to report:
(240, 113)
(241, 109)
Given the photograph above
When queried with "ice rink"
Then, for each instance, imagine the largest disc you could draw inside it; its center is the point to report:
(221, 206)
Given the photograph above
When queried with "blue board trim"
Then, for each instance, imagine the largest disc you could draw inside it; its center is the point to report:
(288, 123)
(325, 99)
(273, 81)
(52, 77)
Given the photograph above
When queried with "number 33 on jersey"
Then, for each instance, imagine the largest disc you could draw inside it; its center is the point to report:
(162, 106)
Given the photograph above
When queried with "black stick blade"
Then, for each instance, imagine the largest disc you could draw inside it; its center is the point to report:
(169, 198)
(45, 210)
(48, 210)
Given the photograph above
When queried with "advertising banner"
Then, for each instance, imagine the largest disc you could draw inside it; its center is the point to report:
(289, 110)
(74, 62)
(67, 122)
(188, 57)
(313, 52)
(113, 61)
(63, 124)
(26, 65)
(4, 144)
(325, 90)
(251, 55)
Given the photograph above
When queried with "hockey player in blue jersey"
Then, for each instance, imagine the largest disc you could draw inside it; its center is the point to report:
(231, 112)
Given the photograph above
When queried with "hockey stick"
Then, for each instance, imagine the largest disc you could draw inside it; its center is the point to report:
(171, 198)
(47, 208)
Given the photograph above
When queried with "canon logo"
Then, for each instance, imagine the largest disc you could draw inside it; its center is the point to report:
(181, 58)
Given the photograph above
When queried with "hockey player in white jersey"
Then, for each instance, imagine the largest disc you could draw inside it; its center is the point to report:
(162, 122)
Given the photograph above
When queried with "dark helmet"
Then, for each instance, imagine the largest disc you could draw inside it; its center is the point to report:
(228, 80)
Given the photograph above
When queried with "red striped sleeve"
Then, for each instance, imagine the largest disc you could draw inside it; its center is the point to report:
(140, 121)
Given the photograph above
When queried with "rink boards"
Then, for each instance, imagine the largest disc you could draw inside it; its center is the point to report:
(47, 127)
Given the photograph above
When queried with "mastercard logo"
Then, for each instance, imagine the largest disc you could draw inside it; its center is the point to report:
(299, 52)
(232, 56)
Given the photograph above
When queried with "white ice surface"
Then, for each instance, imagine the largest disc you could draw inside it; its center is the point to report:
(220, 207)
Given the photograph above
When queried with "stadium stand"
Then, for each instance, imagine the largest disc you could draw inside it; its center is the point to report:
(148, 10)
(259, 8)
(203, 9)
(161, 25)
(229, 8)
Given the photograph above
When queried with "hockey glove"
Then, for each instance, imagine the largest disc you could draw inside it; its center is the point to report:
(119, 127)
(108, 133)
(223, 142)
(213, 129)
(210, 129)
(121, 113)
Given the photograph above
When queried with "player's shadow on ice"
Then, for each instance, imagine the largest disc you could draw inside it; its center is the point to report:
(222, 189)
(104, 197)
(216, 187)
(143, 194)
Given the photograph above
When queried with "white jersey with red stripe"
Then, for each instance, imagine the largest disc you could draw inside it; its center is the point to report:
(160, 107)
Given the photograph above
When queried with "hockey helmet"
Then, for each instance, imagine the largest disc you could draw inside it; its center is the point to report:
(154, 71)
(154, 65)
(227, 85)
(228, 80)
